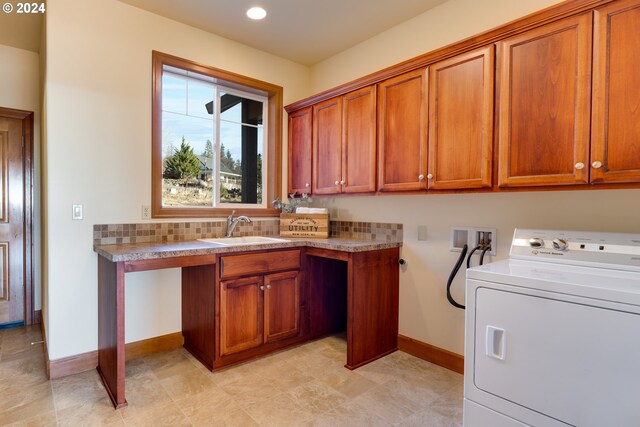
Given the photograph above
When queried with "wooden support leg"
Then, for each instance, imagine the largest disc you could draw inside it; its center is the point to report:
(111, 329)
(372, 312)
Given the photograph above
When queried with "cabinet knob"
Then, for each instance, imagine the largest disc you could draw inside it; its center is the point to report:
(307, 185)
(430, 176)
(261, 288)
(596, 164)
(342, 182)
(268, 286)
(420, 177)
(337, 182)
(579, 165)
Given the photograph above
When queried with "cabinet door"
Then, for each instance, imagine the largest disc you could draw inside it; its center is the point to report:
(402, 132)
(327, 146)
(615, 143)
(282, 305)
(545, 90)
(359, 141)
(300, 151)
(241, 314)
(461, 121)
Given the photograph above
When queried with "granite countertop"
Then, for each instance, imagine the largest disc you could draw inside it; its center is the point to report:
(157, 250)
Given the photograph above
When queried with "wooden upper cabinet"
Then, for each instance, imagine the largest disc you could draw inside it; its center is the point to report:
(615, 138)
(300, 151)
(281, 305)
(359, 141)
(327, 146)
(545, 89)
(461, 91)
(344, 143)
(402, 132)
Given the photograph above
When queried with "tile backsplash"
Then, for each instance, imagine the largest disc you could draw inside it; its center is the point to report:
(106, 234)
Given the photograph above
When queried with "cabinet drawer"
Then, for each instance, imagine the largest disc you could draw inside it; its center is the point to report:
(240, 265)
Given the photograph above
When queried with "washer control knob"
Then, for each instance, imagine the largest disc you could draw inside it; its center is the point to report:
(560, 244)
(536, 242)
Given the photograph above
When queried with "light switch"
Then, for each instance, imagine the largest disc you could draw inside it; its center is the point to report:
(422, 232)
(76, 212)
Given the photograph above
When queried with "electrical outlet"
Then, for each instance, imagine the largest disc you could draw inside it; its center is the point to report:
(146, 212)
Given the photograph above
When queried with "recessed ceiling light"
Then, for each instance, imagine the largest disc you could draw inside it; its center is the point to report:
(256, 13)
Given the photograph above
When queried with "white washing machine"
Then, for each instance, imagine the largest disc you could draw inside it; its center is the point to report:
(553, 333)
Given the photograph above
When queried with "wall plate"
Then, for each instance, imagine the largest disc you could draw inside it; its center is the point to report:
(77, 212)
(471, 236)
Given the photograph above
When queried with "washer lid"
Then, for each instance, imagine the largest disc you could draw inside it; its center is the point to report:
(599, 283)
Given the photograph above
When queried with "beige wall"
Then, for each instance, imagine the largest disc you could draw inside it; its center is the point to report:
(425, 313)
(20, 89)
(447, 23)
(40, 254)
(98, 149)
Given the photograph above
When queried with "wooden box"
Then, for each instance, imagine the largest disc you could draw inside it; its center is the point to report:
(304, 225)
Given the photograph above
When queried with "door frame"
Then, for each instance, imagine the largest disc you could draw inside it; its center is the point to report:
(27, 118)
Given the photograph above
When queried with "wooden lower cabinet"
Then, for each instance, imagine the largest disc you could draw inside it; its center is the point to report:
(359, 291)
(268, 305)
(241, 314)
(281, 305)
(259, 309)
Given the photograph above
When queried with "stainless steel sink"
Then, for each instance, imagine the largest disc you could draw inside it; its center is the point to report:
(246, 240)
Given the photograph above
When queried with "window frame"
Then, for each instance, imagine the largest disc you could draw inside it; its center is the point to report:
(273, 135)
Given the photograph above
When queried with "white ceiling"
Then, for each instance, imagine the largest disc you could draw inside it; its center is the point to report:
(304, 31)
(21, 30)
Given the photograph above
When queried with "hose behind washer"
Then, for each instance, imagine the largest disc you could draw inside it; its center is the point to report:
(484, 252)
(453, 275)
(471, 254)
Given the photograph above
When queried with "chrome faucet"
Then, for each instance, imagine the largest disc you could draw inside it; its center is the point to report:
(231, 223)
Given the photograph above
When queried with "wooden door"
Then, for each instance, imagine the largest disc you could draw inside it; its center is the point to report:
(359, 141)
(402, 132)
(241, 314)
(461, 121)
(615, 138)
(12, 199)
(300, 151)
(327, 147)
(545, 90)
(282, 305)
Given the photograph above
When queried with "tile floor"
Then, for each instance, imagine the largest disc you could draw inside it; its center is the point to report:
(302, 386)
